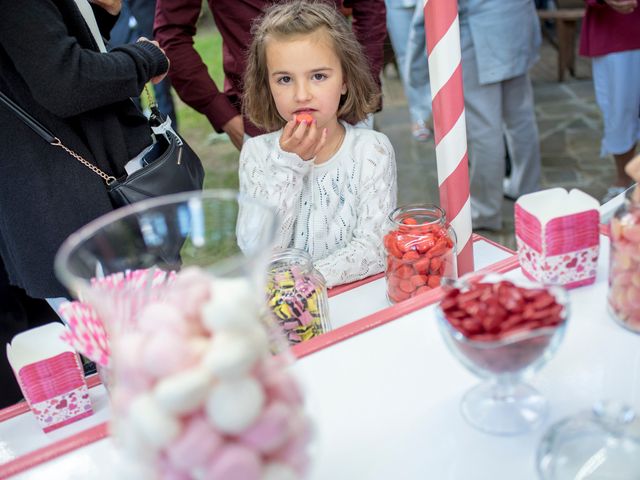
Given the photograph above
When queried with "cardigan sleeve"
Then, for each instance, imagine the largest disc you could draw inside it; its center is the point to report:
(64, 77)
(274, 177)
(364, 255)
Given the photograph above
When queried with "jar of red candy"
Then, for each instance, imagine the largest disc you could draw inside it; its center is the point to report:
(624, 266)
(421, 249)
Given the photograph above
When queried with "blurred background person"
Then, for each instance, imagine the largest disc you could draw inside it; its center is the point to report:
(405, 24)
(135, 21)
(53, 64)
(611, 37)
(500, 41)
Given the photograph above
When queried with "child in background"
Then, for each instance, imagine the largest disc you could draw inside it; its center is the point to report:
(333, 185)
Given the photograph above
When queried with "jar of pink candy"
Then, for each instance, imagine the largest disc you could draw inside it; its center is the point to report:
(196, 392)
(624, 266)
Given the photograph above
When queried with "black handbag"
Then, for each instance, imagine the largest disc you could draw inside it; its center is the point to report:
(175, 169)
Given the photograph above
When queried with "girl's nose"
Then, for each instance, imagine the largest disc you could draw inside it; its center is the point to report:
(303, 93)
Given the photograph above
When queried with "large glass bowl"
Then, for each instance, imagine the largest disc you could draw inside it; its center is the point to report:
(208, 326)
(503, 403)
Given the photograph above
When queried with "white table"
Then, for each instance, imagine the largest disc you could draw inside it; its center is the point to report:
(386, 401)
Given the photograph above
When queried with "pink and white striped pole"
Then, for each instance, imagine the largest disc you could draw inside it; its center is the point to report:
(450, 131)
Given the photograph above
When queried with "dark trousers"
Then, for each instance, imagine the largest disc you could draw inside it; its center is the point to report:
(18, 312)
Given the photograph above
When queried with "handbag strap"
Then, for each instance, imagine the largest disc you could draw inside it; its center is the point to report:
(50, 138)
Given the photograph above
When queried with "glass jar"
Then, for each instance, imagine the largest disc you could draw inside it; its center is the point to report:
(624, 266)
(297, 295)
(421, 249)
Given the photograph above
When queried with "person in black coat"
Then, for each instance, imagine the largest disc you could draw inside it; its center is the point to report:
(51, 65)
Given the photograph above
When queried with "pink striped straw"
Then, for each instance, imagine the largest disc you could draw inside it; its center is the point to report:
(450, 130)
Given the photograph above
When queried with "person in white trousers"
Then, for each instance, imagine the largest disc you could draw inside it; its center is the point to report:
(500, 41)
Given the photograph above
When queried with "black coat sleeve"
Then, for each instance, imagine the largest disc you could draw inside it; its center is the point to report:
(63, 76)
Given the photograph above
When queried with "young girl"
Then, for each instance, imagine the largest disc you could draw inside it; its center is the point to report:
(332, 184)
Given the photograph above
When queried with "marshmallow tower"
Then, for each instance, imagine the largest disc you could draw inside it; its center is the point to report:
(450, 134)
(198, 393)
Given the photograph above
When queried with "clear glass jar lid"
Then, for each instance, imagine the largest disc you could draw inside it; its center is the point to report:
(600, 444)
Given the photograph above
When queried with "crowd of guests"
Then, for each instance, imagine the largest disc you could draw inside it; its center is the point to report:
(302, 81)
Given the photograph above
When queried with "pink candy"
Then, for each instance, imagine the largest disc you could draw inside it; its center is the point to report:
(235, 462)
(624, 274)
(204, 407)
(196, 446)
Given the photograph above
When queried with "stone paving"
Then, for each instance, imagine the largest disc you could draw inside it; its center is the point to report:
(570, 128)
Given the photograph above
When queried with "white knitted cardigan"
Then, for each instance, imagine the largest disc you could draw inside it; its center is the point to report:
(336, 211)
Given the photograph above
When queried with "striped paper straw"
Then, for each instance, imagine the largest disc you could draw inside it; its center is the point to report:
(450, 130)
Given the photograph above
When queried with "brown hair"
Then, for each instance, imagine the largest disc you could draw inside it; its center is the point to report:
(305, 17)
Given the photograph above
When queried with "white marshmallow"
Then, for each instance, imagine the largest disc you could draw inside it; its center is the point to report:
(234, 353)
(278, 471)
(232, 305)
(234, 405)
(155, 425)
(183, 392)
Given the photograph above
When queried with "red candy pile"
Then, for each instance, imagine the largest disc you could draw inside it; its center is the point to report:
(418, 256)
(493, 311)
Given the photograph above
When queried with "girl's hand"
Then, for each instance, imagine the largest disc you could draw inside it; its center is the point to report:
(623, 6)
(111, 6)
(158, 78)
(302, 138)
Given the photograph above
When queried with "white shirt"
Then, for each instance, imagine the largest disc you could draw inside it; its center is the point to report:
(336, 211)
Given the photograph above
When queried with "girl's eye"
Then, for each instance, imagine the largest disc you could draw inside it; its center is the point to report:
(319, 76)
(284, 80)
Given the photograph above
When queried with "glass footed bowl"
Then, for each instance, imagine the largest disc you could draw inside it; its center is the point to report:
(503, 403)
(601, 444)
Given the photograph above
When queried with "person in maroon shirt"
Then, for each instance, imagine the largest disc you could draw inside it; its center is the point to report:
(611, 37)
(175, 27)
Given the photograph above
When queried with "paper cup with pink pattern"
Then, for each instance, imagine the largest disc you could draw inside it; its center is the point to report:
(557, 235)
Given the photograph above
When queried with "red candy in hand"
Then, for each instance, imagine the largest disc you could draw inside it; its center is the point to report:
(304, 117)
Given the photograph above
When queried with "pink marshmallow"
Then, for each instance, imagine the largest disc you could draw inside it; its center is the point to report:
(294, 452)
(189, 293)
(196, 445)
(235, 462)
(271, 430)
(162, 316)
(165, 354)
(282, 386)
(166, 471)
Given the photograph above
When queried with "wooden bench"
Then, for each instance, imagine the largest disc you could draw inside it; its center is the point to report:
(566, 22)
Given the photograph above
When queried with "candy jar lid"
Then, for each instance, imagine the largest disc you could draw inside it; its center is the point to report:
(603, 443)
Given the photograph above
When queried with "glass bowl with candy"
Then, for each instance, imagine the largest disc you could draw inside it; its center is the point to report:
(502, 332)
(420, 248)
(197, 393)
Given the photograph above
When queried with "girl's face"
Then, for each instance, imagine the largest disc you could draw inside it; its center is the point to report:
(305, 76)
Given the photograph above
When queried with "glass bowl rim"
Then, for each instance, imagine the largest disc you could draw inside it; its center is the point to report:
(417, 207)
(73, 241)
(559, 293)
